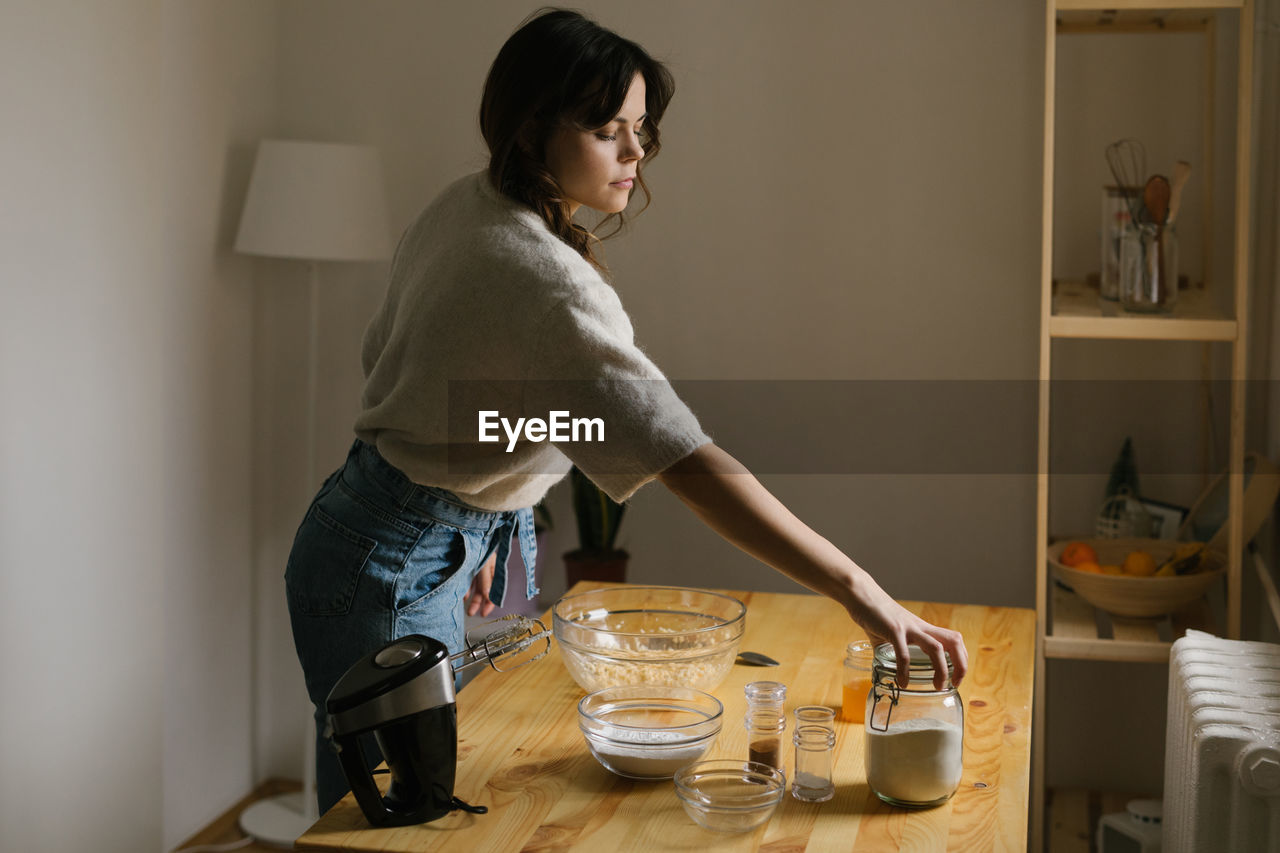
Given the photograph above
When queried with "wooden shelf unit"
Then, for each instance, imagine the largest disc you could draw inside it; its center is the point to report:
(1077, 314)
(1067, 627)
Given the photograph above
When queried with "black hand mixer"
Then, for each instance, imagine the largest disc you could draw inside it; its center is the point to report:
(404, 695)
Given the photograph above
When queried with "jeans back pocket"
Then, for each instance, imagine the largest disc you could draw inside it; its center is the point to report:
(325, 565)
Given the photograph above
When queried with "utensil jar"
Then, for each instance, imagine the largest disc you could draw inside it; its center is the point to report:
(1149, 269)
(1117, 204)
(915, 734)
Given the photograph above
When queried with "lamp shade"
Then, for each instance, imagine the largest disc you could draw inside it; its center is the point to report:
(318, 201)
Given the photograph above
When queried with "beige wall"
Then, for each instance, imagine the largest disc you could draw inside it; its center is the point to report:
(125, 530)
(220, 99)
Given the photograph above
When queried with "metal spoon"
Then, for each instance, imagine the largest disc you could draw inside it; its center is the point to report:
(1155, 197)
(756, 659)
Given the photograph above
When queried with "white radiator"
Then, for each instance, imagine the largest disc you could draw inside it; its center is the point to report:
(1222, 748)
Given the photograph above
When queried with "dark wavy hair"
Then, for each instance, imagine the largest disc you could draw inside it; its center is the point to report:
(559, 68)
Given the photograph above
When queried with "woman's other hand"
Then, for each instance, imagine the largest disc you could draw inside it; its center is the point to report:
(477, 600)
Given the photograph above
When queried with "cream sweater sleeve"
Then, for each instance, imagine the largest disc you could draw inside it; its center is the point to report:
(585, 361)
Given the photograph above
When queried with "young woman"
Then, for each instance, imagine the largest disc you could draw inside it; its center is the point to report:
(498, 303)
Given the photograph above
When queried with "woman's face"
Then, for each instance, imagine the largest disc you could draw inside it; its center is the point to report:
(597, 167)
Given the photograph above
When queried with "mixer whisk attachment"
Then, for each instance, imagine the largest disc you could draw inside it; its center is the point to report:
(515, 641)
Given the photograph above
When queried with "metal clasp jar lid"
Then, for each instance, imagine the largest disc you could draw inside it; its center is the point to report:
(884, 680)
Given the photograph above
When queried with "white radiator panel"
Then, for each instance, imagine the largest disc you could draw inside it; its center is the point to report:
(1222, 749)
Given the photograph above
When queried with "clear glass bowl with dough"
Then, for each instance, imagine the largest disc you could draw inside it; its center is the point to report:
(666, 635)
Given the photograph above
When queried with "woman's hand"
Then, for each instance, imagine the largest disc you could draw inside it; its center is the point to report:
(887, 621)
(732, 502)
(477, 600)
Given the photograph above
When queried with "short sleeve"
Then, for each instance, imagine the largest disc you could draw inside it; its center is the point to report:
(619, 419)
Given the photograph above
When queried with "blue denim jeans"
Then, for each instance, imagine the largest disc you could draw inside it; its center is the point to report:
(378, 557)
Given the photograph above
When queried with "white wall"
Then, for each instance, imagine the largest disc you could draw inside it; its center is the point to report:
(124, 342)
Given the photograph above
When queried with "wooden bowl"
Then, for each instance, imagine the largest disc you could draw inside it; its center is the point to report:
(1128, 595)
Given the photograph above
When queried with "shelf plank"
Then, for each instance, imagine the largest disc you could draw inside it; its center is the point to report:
(1112, 21)
(1078, 314)
(1076, 631)
(1073, 617)
(1137, 630)
(1144, 5)
(1106, 650)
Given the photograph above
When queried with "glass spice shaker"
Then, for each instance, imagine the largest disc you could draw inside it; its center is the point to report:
(815, 741)
(765, 722)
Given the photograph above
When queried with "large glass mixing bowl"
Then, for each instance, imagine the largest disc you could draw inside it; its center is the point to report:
(648, 635)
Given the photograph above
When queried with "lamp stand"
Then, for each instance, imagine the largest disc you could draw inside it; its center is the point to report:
(280, 820)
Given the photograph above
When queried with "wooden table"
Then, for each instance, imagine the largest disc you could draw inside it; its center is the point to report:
(521, 754)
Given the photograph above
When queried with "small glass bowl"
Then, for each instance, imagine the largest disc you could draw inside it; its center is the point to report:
(649, 731)
(725, 795)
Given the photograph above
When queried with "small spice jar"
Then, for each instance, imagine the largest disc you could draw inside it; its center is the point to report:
(856, 681)
(765, 722)
(915, 734)
(815, 741)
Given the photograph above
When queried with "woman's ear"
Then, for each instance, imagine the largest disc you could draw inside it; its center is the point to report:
(527, 140)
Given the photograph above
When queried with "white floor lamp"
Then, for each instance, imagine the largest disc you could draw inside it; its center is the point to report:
(312, 201)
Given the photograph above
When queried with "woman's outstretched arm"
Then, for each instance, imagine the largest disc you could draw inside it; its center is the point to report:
(730, 500)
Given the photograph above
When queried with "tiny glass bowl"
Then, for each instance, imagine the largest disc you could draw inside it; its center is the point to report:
(649, 731)
(726, 795)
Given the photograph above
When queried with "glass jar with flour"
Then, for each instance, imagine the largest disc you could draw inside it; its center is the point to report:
(915, 734)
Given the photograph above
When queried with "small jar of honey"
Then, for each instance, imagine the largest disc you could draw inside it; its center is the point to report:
(858, 661)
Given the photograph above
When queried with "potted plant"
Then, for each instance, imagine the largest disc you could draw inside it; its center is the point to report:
(599, 516)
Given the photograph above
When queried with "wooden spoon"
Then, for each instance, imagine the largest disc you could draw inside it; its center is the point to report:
(1155, 197)
(1181, 172)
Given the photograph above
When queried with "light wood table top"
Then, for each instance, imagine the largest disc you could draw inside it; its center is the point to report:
(521, 754)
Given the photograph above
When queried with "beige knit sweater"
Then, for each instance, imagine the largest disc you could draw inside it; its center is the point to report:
(488, 311)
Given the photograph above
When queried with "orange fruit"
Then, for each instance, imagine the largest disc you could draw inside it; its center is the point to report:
(1111, 570)
(1140, 563)
(1088, 566)
(1076, 553)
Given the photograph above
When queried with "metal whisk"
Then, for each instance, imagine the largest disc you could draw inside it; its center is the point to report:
(503, 643)
(1127, 160)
